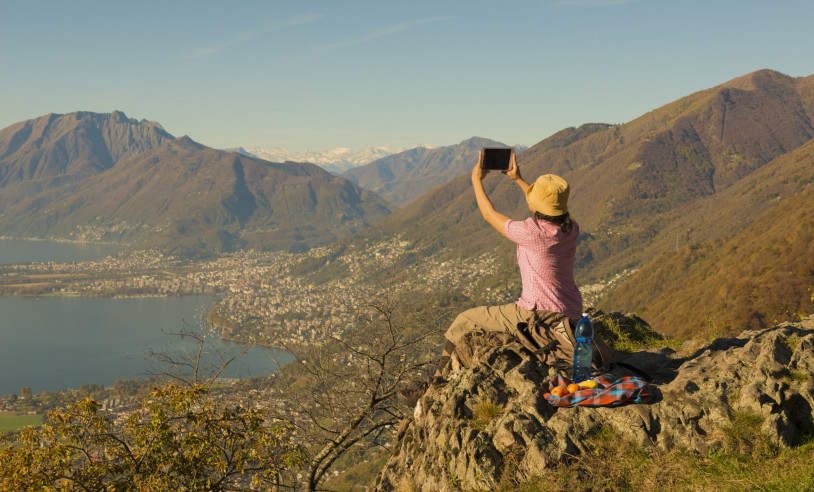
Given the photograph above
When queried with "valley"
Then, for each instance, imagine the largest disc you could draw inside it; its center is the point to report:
(263, 298)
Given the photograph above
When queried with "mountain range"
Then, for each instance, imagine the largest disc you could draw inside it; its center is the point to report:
(105, 177)
(403, 177)
(335, 161)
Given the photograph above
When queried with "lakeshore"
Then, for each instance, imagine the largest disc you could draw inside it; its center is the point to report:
(27, 250)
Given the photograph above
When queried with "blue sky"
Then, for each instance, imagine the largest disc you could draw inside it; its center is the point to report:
(325, 74)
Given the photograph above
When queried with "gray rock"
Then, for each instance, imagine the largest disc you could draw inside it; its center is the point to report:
(768, 375)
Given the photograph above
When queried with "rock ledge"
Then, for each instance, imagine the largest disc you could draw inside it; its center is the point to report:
(769, 374)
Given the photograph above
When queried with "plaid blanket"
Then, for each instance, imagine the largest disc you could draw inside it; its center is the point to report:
(625, 390)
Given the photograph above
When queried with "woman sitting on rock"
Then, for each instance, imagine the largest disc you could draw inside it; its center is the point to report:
(546, 245)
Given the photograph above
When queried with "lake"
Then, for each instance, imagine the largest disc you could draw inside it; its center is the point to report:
(27, 251)
(51, 343)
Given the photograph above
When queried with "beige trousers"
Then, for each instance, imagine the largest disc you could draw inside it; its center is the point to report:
(501, 319)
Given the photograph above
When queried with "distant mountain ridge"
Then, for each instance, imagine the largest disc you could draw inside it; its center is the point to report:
(113, 179)
(335, 161)
(401, 178)
(53, 150)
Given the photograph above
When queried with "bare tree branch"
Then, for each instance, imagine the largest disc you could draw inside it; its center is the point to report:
(202, 365)
(344, 392)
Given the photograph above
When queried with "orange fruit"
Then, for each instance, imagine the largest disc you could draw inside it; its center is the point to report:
(559, 391)
(573, 388)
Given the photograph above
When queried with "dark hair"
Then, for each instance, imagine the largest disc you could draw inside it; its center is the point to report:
(564, 220)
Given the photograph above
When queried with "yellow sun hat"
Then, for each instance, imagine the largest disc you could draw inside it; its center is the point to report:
(549, 195)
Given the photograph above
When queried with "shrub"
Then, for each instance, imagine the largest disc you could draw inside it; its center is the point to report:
(179, 440)
(484, 412)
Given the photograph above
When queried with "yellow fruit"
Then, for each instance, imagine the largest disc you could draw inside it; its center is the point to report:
(589, 383)
(572, 388)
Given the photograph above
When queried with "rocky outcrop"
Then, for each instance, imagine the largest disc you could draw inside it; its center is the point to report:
(698, 392)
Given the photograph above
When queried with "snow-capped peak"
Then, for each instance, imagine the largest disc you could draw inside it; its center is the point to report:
(336, 161)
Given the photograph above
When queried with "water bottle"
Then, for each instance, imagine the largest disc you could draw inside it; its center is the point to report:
(583, 351)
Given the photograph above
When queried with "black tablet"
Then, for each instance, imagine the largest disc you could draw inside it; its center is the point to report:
(496, 158)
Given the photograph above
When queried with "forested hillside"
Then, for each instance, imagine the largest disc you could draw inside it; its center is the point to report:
(752, 277)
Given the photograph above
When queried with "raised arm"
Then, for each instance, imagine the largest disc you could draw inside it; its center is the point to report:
(514, 174)
(492, 216)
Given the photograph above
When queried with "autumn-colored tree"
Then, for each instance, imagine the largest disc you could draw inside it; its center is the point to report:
(180, 439)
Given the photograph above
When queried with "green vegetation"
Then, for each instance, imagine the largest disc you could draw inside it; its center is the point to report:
(484, 412)
(795, 376)
(630, 334)
(362, 472)
(452, 478)
(793, 341)
(733, 395)
(743, 435)
(12, 422)
(712, 329)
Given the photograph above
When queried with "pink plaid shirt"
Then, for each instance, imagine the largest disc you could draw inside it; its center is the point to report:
(545, 256)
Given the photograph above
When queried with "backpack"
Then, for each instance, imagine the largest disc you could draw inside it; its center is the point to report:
(550, 337)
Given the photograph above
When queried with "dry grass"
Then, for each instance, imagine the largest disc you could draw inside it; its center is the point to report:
(750, 462)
